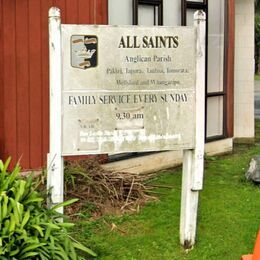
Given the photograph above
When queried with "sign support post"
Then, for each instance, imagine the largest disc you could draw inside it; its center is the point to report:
(193, 160)
(55, 159)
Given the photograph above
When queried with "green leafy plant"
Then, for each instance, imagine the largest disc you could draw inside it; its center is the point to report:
(28, 230)
(72, 173)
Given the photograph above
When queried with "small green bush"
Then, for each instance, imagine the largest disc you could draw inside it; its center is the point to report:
(28, 230)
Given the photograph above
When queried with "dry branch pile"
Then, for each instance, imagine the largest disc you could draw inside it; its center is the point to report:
(109, 192)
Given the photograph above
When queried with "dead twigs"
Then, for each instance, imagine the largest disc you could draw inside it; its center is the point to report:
(108, 192)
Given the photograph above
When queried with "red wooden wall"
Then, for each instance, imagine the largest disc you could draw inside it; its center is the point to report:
(24, 81)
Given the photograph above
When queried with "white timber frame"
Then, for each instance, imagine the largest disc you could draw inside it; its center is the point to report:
(55, 173)
(193, 162)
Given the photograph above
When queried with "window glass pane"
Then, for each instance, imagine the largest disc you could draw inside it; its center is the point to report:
(190, 17)
(120, 12)
(172, 12)
(145, 15)
(215, 45)
(214, 116)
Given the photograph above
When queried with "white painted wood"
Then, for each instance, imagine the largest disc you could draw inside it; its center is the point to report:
(55, 159)
(189, 203)
(200, 24)
(193, 160)
(98, 125)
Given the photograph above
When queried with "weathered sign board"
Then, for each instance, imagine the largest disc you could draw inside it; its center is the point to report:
(127, 89)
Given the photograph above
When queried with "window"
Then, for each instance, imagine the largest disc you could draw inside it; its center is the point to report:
(180, 12)
(148, 12)
(123, 12)
(215, 60)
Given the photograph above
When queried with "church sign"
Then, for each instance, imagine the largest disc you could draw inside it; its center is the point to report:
(116, 89)
(127, 89)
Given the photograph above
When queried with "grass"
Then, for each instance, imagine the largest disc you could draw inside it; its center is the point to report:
(257, 76)
(228, 217)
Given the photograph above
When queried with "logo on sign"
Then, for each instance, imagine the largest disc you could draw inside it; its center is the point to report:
(84, 51)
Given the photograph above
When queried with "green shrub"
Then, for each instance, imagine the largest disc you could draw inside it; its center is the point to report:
(28, 230)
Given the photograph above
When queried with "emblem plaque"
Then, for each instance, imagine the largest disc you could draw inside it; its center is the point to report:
(84, 51)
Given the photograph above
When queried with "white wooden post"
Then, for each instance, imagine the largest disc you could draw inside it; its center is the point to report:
(193, 160)
(55, 159)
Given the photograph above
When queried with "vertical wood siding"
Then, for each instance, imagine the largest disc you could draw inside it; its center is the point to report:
(23, 82)
(24, 69)
(1, 82)
(10, 79)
